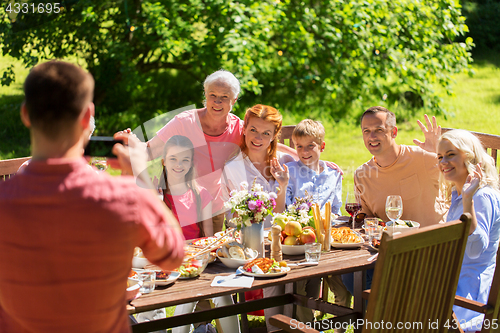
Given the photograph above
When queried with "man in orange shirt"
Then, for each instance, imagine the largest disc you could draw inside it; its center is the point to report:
(408, 171)
(67, 232)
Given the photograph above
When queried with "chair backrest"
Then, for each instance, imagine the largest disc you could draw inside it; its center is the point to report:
(286, 134)
(8, 168)
(416, 278)
(490, 142)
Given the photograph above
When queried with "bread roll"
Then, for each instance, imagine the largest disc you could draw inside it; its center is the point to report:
(236, 252)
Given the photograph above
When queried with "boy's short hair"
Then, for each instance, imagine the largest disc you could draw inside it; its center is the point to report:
(310, 128)
(56, 93)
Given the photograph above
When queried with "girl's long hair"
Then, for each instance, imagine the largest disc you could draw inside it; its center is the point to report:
(475, 153)
(184, 142)
(269, 114)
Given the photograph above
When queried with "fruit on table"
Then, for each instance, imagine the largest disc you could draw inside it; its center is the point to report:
(307, 236)
(291, 240)
(293, 228)
(281, 221)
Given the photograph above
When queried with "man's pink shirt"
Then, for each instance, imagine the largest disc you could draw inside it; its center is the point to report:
(67, 236)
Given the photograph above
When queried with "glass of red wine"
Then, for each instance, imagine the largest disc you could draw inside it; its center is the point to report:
(352, 205)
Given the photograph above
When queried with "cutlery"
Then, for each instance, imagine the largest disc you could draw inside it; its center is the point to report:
(373, 257)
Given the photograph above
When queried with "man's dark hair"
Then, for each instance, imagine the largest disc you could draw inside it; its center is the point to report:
(56, 93)
(391, 117)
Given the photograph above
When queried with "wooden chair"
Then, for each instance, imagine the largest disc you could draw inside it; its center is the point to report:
(491, 309)
(415, 279)
(490, 142)
(286, 134)
(8, 168)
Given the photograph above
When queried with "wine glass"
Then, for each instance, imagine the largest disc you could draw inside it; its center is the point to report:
(99, 163)
(394, 208)
(352, 205)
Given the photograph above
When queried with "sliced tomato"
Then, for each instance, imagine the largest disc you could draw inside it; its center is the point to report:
(196, 263)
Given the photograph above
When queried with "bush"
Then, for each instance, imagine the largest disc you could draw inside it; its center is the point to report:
(149, 57)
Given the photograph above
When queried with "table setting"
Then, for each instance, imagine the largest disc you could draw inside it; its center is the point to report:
(303, 242)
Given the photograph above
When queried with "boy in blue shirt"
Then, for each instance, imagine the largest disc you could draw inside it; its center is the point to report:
(311, 174)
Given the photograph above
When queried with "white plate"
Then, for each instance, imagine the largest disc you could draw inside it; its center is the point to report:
(240, 270)
(235, 263)
(293, 250)
(390, 230)
(172, 277)
(347, 246)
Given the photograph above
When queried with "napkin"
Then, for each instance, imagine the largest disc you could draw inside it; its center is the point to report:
(232, 280)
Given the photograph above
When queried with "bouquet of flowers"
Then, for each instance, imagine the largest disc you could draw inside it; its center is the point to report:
(251, 205)
(301, 210)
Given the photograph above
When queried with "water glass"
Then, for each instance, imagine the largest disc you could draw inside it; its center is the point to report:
(373, 229)
(371, 226)
(148, 279)
(313, 252)
(100, 163)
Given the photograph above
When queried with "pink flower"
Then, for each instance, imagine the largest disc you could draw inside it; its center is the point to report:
(252, 205)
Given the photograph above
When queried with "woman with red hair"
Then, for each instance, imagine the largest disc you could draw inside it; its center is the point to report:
(259, 158)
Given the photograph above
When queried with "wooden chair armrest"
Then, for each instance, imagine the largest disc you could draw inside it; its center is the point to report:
(471, 305)
(366, 294)
(290, 325)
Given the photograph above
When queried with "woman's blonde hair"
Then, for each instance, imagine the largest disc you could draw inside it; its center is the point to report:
(269, 114)
(475, 153)
(184, 142)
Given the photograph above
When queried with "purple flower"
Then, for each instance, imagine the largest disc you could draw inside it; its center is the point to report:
(252, 205)
(259, 203)
(273, 202)
(304, 206)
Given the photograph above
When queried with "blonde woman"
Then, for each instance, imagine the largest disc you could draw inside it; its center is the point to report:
(469, 180)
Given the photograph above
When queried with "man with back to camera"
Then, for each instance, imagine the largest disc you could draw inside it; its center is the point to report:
(408, 171)
(67, 233)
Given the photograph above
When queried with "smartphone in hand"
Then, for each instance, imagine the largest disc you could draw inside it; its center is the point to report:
(101, 146)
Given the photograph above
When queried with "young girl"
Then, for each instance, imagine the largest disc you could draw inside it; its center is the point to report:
(191, 205)
(469, 180)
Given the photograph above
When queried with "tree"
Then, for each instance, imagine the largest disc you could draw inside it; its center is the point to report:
(148, 57)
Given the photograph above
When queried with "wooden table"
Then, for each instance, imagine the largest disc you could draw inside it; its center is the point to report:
(184, 291)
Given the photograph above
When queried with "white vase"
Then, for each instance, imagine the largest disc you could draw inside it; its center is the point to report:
(253, 237)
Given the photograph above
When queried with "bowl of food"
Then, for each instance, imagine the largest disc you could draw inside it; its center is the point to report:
(133, 278)
(193, 266)
(293, 250)
(138, 260)
(401, 226)
(233, 255)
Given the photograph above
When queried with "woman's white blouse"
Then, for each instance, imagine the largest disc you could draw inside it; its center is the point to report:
(241, 169)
